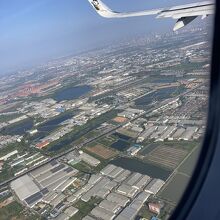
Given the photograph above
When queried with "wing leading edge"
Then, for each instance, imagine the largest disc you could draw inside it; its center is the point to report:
(183, 13)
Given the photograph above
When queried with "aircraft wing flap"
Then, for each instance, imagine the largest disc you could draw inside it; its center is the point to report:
(197, 9)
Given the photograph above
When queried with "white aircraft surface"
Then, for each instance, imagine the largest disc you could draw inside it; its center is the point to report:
(183, 13)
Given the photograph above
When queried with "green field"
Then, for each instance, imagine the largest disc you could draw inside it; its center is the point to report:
(189, 164)
(175, 188)
(15, 211)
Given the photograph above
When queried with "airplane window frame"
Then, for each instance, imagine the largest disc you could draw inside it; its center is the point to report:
(211, 138)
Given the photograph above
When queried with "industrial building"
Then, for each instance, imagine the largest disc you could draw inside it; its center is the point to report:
(40, 184)
(71, 211)
(160, 130)
(122, 176)
(101, 213)
(154, 186)
(134, 150)
(27, 190)
(130, 212)
(170, 130)
(95, 189)
(133, 179)
(110, 206)
(148, 131)
(142, 182)
(177, 134)
(114, 173)
(127, 190)
(188, 134)
(109, 168)
(117, 198)
(127, 214)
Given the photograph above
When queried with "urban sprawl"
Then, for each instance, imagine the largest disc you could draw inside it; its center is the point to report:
(109, 134)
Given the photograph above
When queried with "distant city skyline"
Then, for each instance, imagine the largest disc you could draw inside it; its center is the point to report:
(38, 31)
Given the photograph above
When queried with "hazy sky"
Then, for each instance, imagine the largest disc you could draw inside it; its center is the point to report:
(34, 31)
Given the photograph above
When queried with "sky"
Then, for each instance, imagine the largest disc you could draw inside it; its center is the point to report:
(34, 32)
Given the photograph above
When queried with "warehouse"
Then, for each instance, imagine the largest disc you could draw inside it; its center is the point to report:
(40, 184)
(110, 206)
(79, 193)
(188, 134)
(87, 187)
(36, 197)
(127, 214)
(138, 202)
(148, 131)
(122, 176)
(44, 168)
(67, 172)
(167, 133)
(57, 183)
(142, 182)
(143, 196)
(108, 169)
(114, 173)
(111, 185)
(117, 198)
(94, 178)
(154, 186)
(49, 197)
(49, 173)
(177, 134)
(24, 187)
(134, 178)
(127, 190)
(134, 150)
(71, 211)
(66, 184)
(58, 199)
(95, 189)
(160, 130)
(102, 213)
(102, 193)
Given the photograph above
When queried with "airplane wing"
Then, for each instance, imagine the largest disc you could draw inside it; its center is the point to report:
(183, 13)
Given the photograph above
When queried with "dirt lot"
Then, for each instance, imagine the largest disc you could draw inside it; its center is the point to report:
(167, 156)
(120, 119)
(102, 151)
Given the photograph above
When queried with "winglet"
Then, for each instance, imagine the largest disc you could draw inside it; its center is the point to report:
(182, 22)
(102, 9)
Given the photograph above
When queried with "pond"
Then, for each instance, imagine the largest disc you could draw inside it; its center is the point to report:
(158, 95)
(19, 128)
(142, 167)
(72, 93)
(53, 123)
(120, 145)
